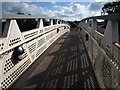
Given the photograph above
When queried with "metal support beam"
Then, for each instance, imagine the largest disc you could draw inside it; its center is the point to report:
(40, 23)
(0, 28)
(114, 26)
(51, 21)
(94, 24)
(57, 21)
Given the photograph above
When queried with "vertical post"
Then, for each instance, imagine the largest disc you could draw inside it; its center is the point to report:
(57, 21)
(119, 29)
(88, 23)
(0, 28)
(94, 24)
(40, 23)
(51, 21)
(115, 36)
(6, 28)
(61, 22)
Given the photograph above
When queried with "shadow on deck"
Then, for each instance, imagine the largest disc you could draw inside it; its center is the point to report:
(64, 65)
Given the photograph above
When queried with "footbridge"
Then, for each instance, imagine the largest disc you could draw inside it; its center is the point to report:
(40, 52)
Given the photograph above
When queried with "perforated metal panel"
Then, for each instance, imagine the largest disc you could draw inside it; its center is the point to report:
(41, 42)
(10, 62)
(1, 46)
(106, 73)
(32, 47)
(10, 78)
(105, 62)
(14, 41)
(30, 35)
(39, 51)
(34, 43)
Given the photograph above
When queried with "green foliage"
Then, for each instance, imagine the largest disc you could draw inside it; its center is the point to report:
(20, 13)
(111, 8)
(26, 24)
(45, 22)
(73, 23)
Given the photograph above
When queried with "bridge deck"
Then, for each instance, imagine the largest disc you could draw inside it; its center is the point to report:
(64, 65)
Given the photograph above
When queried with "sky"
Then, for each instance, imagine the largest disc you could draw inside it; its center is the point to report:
(67, 10)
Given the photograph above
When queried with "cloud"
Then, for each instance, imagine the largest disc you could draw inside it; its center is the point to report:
(74, 11)
(0, 7)
(77, 11)
(11, 7)
(104, 0)
(53, 1)
(71, 12)
(27, 8)
(96, 6)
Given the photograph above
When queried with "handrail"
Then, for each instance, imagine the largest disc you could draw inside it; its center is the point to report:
(107, 17)
(4, 51)
(13, 16)
(16, 17)
(99, 33)
(116, 44)
(34, 42)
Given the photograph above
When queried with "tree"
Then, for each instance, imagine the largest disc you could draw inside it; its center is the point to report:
(111, 7)
(29, 14)
(26, 24)
(46, 23)
(20, 13)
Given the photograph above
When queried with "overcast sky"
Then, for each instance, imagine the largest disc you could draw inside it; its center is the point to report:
(64, 10)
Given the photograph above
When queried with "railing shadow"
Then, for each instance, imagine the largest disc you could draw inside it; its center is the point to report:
(70, 67)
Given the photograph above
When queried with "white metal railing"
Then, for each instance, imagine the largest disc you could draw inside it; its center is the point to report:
(103, 52)
(34, 42)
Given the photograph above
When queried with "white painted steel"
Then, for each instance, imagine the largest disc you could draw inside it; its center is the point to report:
(34, 42)
(103, 52)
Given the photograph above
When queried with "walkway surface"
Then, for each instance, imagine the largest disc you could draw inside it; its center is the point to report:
(64, 65)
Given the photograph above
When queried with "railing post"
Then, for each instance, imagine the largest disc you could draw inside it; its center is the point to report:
(115, 53)
(0, 28)
(94, 24)
(60, 21)
(51, 21)
(57, 21)
(5, 32)
(40, 23)
(114, 26)
(33, 42)
(88, 22)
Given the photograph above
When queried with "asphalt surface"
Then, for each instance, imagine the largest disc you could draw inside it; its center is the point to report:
(64, 65)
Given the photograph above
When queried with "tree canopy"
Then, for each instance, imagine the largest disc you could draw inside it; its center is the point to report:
(111, 7)
(26, 24)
